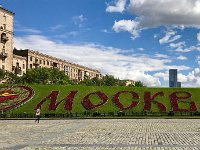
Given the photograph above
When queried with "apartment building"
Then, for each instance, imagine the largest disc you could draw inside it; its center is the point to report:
(6, 44)
(19, 61)
(36, 59)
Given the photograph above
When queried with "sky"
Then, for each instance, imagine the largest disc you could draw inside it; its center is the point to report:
(130, 39)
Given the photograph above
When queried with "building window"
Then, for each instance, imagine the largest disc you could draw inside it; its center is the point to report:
(3, 60)
(4, 18)
(40, 61)
(31, 58)
(4, 26)
(3, 67)
(44, 62)
(17, 64)
(31, 66)
(48, 63)
(23, 66)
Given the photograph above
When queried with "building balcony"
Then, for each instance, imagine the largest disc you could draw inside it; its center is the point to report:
(3, 55)
(55, 65)
(36, 63)
(4, 38)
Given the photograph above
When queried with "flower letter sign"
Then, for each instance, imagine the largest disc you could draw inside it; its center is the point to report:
(12, 97)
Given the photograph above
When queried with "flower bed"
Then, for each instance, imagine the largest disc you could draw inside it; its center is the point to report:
(14, 96)
(98, 101)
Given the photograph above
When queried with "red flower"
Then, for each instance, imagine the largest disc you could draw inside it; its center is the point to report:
(24, 94)
(116, 100)
(148, 100)
(88, 104)
(174, 102)
(53, 100)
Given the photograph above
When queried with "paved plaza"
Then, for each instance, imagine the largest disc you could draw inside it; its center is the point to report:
(101, 134)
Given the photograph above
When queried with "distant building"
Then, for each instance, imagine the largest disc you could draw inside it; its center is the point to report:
(129, 82)
(179, 84)
(19, 61)
(173, 82)
(172, 77)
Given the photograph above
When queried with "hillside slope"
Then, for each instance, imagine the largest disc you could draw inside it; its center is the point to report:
(109, 99)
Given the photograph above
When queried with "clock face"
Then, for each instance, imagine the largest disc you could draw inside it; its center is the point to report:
(14, 96)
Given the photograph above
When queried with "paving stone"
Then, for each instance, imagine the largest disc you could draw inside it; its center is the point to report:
(101, 134)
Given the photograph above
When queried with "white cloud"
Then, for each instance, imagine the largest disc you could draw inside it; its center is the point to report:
(198, 60)
(56, 27)
(78, 20)
(182, 48)
(182, 78)
(182, 58)
(177, 45)
(127, 25)
(155, 36)
(106, 31)
(192, 79)
(119, 6)
(164, 75)
(28, 30)
(169, 37)
(157, 55)
(198, 37)
(67, 34)
(169, 13)
(106, 59)
(156, 13)
(141, 49)
(187, 49)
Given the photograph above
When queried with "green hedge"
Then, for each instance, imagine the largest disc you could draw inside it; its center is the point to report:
(41, 91)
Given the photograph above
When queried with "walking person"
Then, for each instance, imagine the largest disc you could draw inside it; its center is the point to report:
(37, 114)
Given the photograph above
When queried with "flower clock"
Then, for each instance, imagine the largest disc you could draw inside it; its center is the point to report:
(14, 96)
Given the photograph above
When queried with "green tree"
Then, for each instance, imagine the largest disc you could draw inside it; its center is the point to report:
(139, 84)
(97, 81)
(2, 74)
(109, 80)
(13, 78)
(58, 77)
(87, 82)
(45, 75)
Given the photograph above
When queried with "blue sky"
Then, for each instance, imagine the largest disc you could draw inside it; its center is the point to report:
(130, 39)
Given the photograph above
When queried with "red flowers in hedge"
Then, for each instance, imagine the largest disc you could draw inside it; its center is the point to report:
(88, 104)
(149, 99)
(174, 99)
(11, 97)
(116, 100)
(53, 100)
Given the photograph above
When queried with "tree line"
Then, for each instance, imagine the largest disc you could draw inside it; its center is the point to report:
(55, 76)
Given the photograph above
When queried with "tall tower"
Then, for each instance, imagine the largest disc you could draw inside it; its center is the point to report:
(172, 77)
(6, 39)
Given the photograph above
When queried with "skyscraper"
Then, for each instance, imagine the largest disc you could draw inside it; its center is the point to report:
(172, 77)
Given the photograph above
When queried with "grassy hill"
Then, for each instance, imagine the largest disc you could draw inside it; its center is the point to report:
(41, 91)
